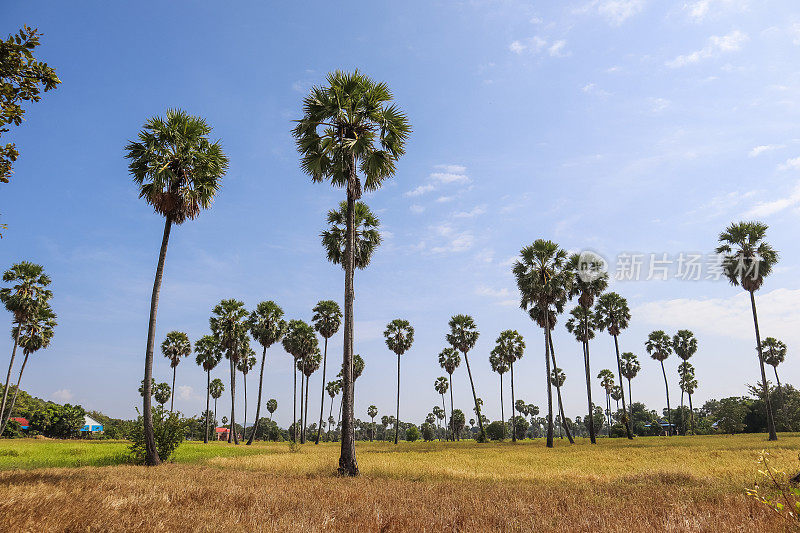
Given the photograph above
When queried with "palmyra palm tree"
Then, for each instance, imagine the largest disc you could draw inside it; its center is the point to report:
(175, 347)
(300, 341)
(606, 378)
(616, 394)
(684, 344)
(613, 315)
(441, 385)
(399, 337)
(372, 412)
(659, 346)
(208, 355)
(216, 388)
(178, 171)
(327, 319)
(500, 366)
(774, 352)
(37, 332)
(272, 406)
(228, 325)
(589, 280)
(162, 393)
(543, 281)
(307, 366)
(746, 260)
(462, 337)
(688, 385)
(267, 327)
(510, 347)
(449, 360)
(333, 388)
(247, 360)
(630, 369)
(24, 299)
(367, 235)
(350, 127)
(439, 412)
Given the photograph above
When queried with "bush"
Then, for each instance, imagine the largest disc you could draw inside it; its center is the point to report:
(412, 434)
(170, 432)
(428, 431)
(496, 430)
(522, 426)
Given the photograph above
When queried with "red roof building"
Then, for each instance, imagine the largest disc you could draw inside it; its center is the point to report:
(23, 422)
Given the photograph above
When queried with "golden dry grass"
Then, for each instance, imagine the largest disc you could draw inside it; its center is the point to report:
(679, 484)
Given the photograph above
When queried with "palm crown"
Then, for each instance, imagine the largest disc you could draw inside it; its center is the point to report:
(216, 388)
(557, 377)
(612, 313)
(327, 318)
(497, 362)
(589, 279)
(449, 360)
(463, 333)
(37, 331)
(175, 347)
(630, 365)
(247, 360)
(367, 236)
(541, 276)
(581, 323)
(333, 388)
(606, 378)
(178, 170)
(684, 344)
(746, 257)
(300, 340)
(658, 345)
(441, 385)
(399, 336)
(510, 346)
(266, 323)
(27, 292)
(358, 368)
(310, 363)
(372, 411)
(228, 325)
(207, 352)
(774, 351)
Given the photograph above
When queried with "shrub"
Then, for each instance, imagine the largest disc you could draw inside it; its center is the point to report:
(412, 434)
(170, 432)
(428, 431)
(496, 430)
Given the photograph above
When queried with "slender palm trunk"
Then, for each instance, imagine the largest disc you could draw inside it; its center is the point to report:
(592, 436)
(770, 421)
(208, 404)
(244, 422)
(151, 454)
(547, 378)
(502, 408)
(172, 392)
(305, 415)
(294, 403)
(558, 391)
(669, 410)
(302, 420)
(625, 419)
(215, 417)
(683, 415)
(258, 404)
(444, 410)
(330, 415)
(347, 460)
(475, 398)
(14, 398)
(397, 418)
(8, 375)
(450, 427)
(775, 368)
(232, 433)
(691, 412)
(322, 399)
(513, 409)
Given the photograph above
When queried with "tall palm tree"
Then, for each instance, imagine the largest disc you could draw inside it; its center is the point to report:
(441, 385)
(299, 341)
(499, 365)
(557, 379)
(350, 127)
(247, 360)
(333, 388)
(228, 325)
(606, 378)
(327, 319)
(589, 280)
(36, 334)
(307, 365)
(399, 337)
(687, 384)
(774, 352)
(367, 235)
(372, 412)
(217, 387)
(685, 345)
(747, 258)
(614, 315)
(449, 360)
(178, 171)
(543, 281)
(175, 347)
(272, 406)
(630, 369)
(23, 299)
(462, 337)
(659, 346)
(208, 355)
(582, 324)
(510, 347)
(267, 327)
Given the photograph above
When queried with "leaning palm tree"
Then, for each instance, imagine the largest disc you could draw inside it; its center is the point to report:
(228, 325)
(327, 319)
(372, 412)
(217, 387)
(449, 360)
(747, 259)
(589, 280)
(399, 337)
(267, 327)
(613, 315)
(208, 355)
(510, 348)
(299, 341)
(582, 324)
(630, 369)
(659, 346)
(499, 365)
(333, 388)
(440, 386)
(685, 345)
(175, 347)
(606, 378)
(774, 352)
(37, 332)
(543, 281)
(24, 298)
(178, 171)
(462, 337)
(247, 360)
(307, 366)
(350, 127)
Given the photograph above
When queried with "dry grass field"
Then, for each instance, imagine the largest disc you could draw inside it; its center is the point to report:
(650, 484)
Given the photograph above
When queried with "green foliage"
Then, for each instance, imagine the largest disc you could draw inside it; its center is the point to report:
(327, 318)
(458, 420)
(368, 237)
(521, 424)
(412, 433)
(497, 430)
(776, 489)
(162, 393)
(175, 347)
(399, 336)
(747, 257)
(730, 415)
(428, 431)
(58, 421)
(170, 432)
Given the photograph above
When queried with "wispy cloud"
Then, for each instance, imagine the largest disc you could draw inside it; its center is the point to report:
(62, 395)
(758, 150)
(533, 45)
(700, 9)
(416, 208)
(557, 49)
(716, 45)
(443, 175)
(472, 213)
(790, 164)
(419, 191)
(615, 11)
(483, 290)
(763, 209)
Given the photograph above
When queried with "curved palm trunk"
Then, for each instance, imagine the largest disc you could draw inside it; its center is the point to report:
(450, 427)
(625, 417)
(502, 408)
(322, 399)
(669, 410)
(244, 421)
(513, 411)
(172, 392)
(775, 368)
(258, 404)
(347, 459)
(770, 421)
(592, 436)
(302, 421)
(151, 454)
(14, 398)
(549, 389)
(8, 375)
(558, 391)
(208, 404)
(397, 418)
(475, 398)
(232, 433)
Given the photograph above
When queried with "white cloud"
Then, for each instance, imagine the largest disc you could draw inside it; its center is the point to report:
(62, 395)
(763, 209)
(445, 175)
(450, 177)
(532, 45)
(758, 150)
(454, 169)
(483, 290)
(700, 9)
(455, 241)
(658, 105)
(509, 261)
(472, 213)
(186, 392)
(485, 256)
(716, 45)
(557, 49)
(419, 191)
(444, 199)
(615, 11)
(591, 88)
(794, 31)
(415, 208)
(790, 164)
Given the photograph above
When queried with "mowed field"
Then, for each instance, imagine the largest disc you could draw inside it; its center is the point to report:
(650, 484)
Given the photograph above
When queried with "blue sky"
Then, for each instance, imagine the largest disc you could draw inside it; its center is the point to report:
(622, 126)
